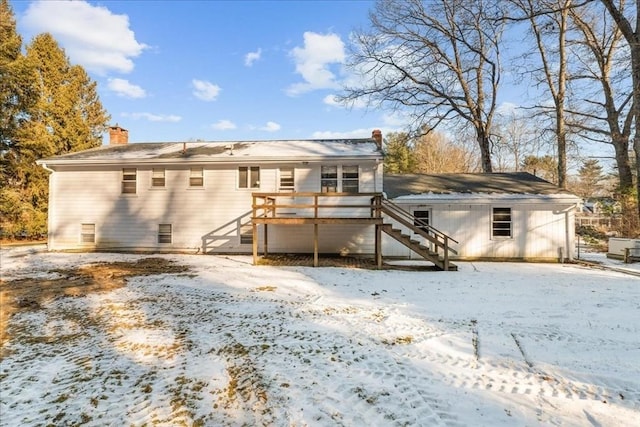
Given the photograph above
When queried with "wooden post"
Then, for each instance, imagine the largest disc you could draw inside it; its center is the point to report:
(255, 243)
(378, 246)
(266, 240)
(446, 253)
(315, 245)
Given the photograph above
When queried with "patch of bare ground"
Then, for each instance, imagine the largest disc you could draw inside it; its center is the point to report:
(30, 294)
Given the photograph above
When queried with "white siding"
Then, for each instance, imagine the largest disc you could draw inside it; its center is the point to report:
(205, 219)
(541, 231)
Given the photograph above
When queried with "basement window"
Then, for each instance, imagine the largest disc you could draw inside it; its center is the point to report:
(164, 233)
(157, 178)
(246, 234)
(88, 233)
(248, 177)
(329, 179)
(196, 177)
(129, 180)
(501, 223)
(350, 179)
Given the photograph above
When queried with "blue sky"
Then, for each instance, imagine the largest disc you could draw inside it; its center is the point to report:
(213, 70)
(222, 70)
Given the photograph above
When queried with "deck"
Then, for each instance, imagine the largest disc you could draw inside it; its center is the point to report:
(292, 208)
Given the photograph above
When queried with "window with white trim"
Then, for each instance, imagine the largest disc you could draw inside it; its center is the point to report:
(329, 179)
(350, 179)
(164, 233)
(249, 177)
(287, 179)
(501, 223)
(88, 233)
(129, 176)
(157, 178)
(196, 177)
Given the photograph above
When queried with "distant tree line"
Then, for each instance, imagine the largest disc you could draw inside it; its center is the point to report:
(441, 63)
(47, 107)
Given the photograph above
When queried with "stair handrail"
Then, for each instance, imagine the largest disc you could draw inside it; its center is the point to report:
(439, 238)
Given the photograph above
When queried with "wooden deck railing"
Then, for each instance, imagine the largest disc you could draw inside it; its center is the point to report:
(325, 208)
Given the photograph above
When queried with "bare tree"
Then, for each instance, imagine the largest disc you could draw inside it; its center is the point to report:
(438, 61)
(548, 23)
(517, 138)
(631, 33)
(606, 103)
(435, 153)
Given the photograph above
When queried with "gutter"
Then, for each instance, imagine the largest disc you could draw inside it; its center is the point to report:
(195, 160)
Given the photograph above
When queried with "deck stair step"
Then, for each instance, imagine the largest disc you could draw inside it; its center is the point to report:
(417, 247)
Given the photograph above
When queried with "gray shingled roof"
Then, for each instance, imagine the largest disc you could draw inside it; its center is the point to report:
(457, 183)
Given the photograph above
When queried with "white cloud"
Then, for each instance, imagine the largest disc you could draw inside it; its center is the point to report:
(205, 90)
(224, 125)
(171, 118)
(331, 101)
(252, 57)
(508, 108)
(271, 127)
(356, 133)
(92, 36)
(313, 60)
(123, 88)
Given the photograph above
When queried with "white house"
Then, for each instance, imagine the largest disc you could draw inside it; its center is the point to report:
(296, 196)
(198, 196)
(491, 216)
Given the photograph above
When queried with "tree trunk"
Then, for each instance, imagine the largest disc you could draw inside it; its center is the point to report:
(485, 151)
(635, 73)
(625, 176)
(561, 137)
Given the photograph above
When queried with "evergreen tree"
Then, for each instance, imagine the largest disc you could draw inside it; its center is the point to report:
(544, 167)
(63, 114)
(399, 156)
(591, 178)
(16, 94)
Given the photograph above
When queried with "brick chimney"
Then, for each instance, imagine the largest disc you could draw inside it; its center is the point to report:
(118, 135)
(376, 135)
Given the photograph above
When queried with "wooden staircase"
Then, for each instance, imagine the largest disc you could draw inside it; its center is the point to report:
(439, 241)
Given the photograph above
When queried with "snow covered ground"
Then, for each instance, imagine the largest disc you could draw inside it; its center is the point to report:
(228, 343)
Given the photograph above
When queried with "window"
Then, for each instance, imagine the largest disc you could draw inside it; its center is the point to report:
(329, 179)
(164, 233)
(88, 233)
(350, 179)
(287, 181)
(248, 177)
(196, 177)
(501, 223)
(246, 234)
(157, 178)
(129, 181)
(421, 220)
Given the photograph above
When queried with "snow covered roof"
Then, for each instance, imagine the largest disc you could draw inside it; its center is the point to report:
(225, 151)
(472, 186)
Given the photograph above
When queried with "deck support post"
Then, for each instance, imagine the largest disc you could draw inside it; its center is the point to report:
(254, 242)
(378, 249)
(315, 245)
(266, 240)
